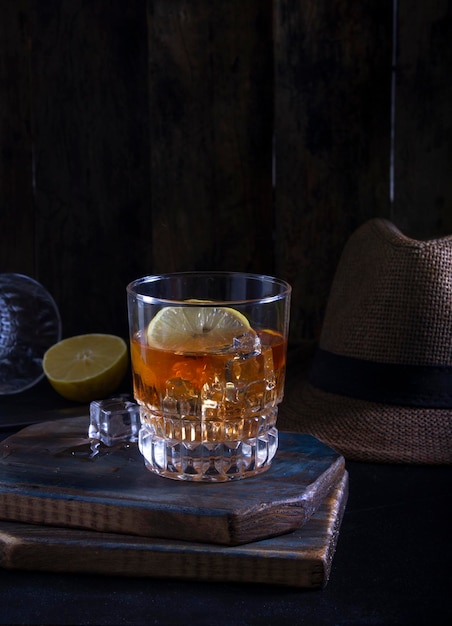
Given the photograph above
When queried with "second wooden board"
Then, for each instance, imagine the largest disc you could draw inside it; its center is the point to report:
(299, 559)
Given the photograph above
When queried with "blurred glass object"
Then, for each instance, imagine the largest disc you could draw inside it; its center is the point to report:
(30, 323)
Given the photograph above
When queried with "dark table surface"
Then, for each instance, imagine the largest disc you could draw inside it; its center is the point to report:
(392, 563)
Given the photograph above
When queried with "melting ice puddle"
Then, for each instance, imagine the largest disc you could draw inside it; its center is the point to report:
(91, 450)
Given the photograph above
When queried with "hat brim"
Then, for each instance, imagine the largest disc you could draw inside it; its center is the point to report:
(367, 431)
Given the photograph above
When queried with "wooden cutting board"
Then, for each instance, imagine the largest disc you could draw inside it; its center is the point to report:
(50, 474)
(299, 559)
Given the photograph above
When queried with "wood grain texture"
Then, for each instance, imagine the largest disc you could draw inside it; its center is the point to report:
(300, 559)
(211, 104)
(137, 138)
(91, 141)
(332, 134)
(17, 223)
(423, 123)
(50, 476)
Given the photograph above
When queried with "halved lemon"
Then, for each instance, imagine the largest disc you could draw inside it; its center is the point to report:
(196, 329)
(86, 367)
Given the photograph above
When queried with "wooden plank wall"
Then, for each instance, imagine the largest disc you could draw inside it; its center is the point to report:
(151, 136)
(332, 126)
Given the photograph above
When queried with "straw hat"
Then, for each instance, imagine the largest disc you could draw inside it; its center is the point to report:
(380, 384)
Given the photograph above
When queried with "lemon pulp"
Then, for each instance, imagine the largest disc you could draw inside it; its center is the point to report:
(86, 367)
(196, 329)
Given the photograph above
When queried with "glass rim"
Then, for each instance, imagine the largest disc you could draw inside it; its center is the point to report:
(153, 278)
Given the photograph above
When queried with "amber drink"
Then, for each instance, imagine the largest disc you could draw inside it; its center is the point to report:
(208, 355)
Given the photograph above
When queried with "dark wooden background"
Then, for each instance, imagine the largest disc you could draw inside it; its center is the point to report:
(251, 135)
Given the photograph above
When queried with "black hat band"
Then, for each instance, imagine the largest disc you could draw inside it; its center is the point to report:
(424, 386)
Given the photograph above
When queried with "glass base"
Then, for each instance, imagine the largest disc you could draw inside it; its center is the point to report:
(207, 462)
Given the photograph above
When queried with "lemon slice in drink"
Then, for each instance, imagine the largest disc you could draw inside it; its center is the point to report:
(86, 367)
(196, 329)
